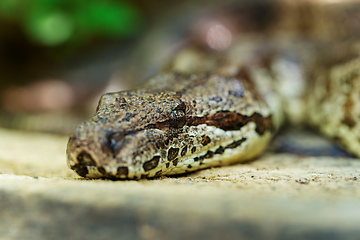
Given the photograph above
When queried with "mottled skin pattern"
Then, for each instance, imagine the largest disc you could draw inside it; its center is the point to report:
(177, 123)
(333, 101)
(223, 108)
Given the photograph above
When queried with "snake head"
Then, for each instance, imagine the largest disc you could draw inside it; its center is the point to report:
(199, 122)
(129, 133)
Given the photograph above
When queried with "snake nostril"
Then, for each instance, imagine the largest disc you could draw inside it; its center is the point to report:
(84, 158)
(114, 142)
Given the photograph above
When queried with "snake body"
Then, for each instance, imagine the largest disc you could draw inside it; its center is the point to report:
(220, 109)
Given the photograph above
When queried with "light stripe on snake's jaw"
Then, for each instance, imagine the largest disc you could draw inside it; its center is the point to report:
(192, 122)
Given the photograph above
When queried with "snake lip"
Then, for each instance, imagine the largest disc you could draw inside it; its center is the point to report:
(114, 142)
(82, 161)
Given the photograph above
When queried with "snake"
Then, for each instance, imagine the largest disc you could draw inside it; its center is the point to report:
(216, 107)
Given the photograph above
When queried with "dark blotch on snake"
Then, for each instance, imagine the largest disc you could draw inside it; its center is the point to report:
(149, 165)
(101, 170)
(205, 140)
(183, 151)
(144, 176)
(175, 162)
(220, 150)
(81, 170)
(347, 120)
(85, 158)
(193, 149)
(122, 171)
(160, 144)
(236, 143)
(172, 153)
(167, 165)
(227, 120)
(189, 166)
(158, 173)
(209, 154)
(262, 123)
(123, 105)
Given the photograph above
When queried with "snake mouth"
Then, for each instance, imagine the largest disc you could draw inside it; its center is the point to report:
(80, 159)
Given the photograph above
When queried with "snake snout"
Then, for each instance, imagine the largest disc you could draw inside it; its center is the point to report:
(79, 158)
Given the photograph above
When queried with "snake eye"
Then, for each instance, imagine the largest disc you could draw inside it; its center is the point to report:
(177, 118)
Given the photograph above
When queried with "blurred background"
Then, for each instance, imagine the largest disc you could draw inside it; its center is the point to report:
(55, 55)
(49, 39)
(58, 56)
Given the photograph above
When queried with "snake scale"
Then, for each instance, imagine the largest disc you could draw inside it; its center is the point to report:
(211, 107)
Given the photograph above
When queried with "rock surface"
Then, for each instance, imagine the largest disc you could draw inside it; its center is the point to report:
(278, 196)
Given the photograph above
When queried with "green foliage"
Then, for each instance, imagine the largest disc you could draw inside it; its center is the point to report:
(54, 22)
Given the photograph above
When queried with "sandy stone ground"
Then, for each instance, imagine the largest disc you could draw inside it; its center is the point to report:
(277, 196)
